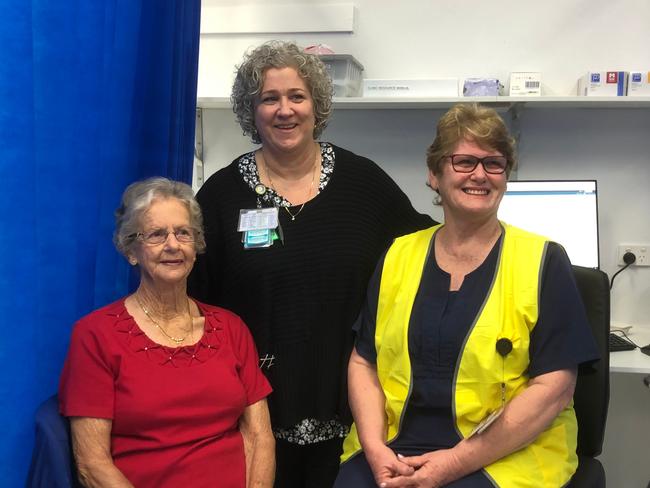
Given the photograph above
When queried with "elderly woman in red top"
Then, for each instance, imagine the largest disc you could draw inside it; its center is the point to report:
(161, 390)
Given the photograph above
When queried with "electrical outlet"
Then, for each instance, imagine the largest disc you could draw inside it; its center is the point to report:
(641, 252)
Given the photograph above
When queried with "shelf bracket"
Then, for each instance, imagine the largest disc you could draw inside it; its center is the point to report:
(515, 111)
(199, 171)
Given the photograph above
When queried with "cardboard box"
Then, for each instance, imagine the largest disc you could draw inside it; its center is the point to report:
(445, 87)
(603, 84)
(638, 84)
(525, 84)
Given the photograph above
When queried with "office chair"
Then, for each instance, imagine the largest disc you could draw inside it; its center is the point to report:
(52, 463)
(591, 397)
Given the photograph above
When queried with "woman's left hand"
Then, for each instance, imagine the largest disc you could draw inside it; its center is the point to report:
(432, 470)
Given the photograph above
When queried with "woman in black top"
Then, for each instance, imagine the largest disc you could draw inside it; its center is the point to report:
(298, 281)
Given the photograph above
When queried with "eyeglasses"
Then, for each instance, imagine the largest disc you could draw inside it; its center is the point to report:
(466, 163)
(158, 236)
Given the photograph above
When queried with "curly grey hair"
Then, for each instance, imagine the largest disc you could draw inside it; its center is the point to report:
(249, 81)
(137, 199)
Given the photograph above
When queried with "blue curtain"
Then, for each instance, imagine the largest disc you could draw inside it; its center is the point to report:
(93, 95)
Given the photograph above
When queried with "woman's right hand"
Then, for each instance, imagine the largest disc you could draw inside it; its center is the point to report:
(385, 464)
(367, 403)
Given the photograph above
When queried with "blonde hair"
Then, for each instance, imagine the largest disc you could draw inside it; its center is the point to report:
(472, 122)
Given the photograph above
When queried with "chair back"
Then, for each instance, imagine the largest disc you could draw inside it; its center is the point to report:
(591, 397)
(52, 463)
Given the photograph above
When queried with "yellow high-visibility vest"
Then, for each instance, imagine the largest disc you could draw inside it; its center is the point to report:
(510, 311)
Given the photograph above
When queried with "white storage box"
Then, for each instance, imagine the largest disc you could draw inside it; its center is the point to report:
(638, 84)
(345, 72)
(525, 84)
(445, 87)
(603, 84)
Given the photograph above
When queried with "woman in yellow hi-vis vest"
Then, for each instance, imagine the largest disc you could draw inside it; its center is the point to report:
(468, 346)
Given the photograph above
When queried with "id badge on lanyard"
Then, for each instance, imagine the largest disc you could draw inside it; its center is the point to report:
(258, 227)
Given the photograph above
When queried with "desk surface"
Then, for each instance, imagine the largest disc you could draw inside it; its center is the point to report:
(632, 361)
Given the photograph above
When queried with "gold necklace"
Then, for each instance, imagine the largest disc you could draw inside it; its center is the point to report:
(177, 340)
(311, 185)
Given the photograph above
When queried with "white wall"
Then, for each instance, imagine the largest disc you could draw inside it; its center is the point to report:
(461, 38)
(560, 38)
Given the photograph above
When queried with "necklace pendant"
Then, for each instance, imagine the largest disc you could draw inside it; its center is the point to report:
(293, 217)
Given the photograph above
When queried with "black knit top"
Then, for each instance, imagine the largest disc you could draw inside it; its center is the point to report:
(301, 297)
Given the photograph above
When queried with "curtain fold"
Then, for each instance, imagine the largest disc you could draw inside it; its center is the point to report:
(93, 96)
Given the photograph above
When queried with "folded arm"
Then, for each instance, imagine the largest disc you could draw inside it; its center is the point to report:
(259, 445)
(523, 419)
(91, 446)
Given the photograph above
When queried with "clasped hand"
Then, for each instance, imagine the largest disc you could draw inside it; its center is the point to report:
(430, 470)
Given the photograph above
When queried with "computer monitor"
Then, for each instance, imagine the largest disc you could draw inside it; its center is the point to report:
(564, 211)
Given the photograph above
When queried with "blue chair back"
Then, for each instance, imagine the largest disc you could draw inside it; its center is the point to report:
(52, 463)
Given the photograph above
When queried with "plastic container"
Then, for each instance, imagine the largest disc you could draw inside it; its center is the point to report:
(481, 87)
(345, 72)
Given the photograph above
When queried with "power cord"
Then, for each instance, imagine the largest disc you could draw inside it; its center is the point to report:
(629, 258)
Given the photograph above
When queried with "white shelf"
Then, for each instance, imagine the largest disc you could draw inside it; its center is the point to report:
(213, 102)
(362, 103)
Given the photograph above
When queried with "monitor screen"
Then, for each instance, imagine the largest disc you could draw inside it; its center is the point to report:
(564, 211)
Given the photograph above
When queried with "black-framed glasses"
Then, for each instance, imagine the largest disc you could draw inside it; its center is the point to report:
(158, 236)
(466, 163)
